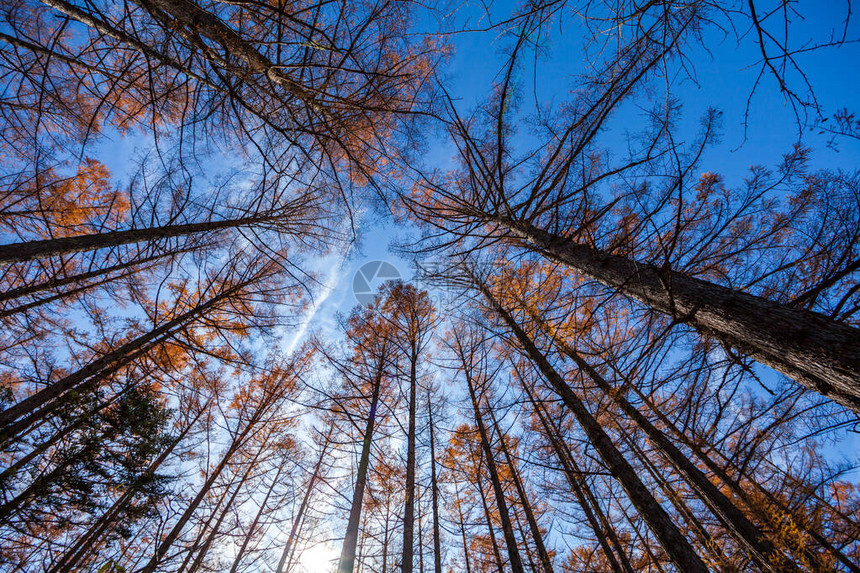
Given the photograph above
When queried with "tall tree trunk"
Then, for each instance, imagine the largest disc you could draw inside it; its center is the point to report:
(215, 529)
(350, 540)
(736, 488)
(83, 277)
(420, 519)
(29, 250)
(814, 350)
(246, 540)
(672, 493)
(497, 555)
(386, 534)
(236, 445)
(409, 506)
(515, 564)
(462, 528)
(434, 491)
(673, 542)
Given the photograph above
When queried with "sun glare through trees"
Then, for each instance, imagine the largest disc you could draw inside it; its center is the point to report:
(376, 286)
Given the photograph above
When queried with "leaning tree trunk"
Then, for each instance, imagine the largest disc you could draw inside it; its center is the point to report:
(235, 446)
(134, 265)
(736, 488)
(821, 354)
(40, 404)
(216, 528)
(253, 526)
(497, 555)
(85, 544)
(673, 494)
(742, 530)
(671, 539)
(306, 498)
(534, 528)
(29, 250)
(603, 530)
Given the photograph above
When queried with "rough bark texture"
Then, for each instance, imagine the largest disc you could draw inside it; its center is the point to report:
(820, 353)
(200, 22)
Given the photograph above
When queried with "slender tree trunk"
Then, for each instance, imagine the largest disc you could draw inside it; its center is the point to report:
(731, 517)
(645, 544)
(735, 486)
(350, 540)
(534, 528)
(386, 535)
(46, 400)
(673, 542)
(672, 493)
(420, 517)
(5, 313)
(603, 530)
(171, 537)
(526, 547)
(55, 282)
(500, 565)
(29, 250)
(462, 528)
(215, 529)
(434, 491)
(516, 564)
(820, 353)
(409, 509)
(255, 522)
(289, 548)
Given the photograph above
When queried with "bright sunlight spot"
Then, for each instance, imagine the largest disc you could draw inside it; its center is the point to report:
(318, 559)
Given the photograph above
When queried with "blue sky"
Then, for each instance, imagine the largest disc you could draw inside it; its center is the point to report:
(726, 72)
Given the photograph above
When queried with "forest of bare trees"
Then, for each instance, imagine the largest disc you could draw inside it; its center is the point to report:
(627, 334)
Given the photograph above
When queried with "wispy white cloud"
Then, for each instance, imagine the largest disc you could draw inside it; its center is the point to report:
(325, 290)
